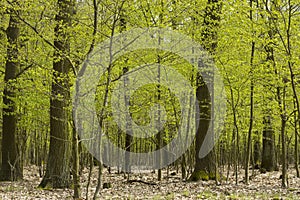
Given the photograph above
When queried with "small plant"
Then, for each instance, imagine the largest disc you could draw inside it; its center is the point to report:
(276, 197)
(234, 196)
(170, 196)
(205, 195)
(186, 193)
(157, 197)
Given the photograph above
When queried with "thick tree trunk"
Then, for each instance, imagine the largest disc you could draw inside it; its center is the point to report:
(11, 167)
(257, 154)
(268, 154)
(58, 165)
(268, 151)
(205, 167)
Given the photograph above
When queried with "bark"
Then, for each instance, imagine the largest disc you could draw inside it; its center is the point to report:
(101, 115)
(268, 153)
(293, 84)
(58, 164)
(283, 159)
(249, 143)
(128, 131)
(296, 153)
(205, 167)
(11, 165)
(282, 107)
(257, 154)
(75, 171)
(159, 134)
(128, 137)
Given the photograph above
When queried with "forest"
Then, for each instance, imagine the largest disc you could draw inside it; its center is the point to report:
(149, 99)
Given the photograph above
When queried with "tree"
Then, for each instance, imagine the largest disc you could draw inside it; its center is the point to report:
(268, 153)
(205, 167)
(11, 165)
(58, 164)
(251, 101)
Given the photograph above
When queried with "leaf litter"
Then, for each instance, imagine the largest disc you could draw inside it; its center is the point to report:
(144, 185)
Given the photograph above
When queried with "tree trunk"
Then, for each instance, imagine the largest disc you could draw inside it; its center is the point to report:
(11, 167)
(283, 159)
(75, 171)
(205, 167)
(296, 154)
(129, 132)
(257, 154)
(58, 164)
(249, 141)
(268, 153)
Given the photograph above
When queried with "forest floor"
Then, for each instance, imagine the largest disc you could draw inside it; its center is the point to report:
(261, 186)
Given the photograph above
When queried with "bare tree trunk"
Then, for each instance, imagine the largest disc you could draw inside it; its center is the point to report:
(11, 169)
(157, 123)
(283, 159)
(205, 167)
(293, 84)
(296, 153)
(268, 162)
(106, 93)
(249, 141)
(58, 164)
(91, 166)
(75, 171)
(268, 154)
(128, 131)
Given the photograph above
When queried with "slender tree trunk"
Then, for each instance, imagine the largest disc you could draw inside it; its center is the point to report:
(283, 116)
(101, 115)
(58, 164)
(235, 132)
(296, 153)
(129, 132)
(293, 84)
(249, 141)
(283, 159)
(91, 166)
(159, 142)
(75, 171)
(11, 167)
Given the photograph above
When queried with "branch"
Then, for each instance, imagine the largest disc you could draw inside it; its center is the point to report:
(24, 70)
(141, 181)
